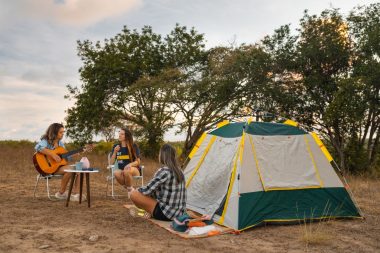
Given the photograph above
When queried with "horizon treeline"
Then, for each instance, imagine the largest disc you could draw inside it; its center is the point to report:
(324, 73)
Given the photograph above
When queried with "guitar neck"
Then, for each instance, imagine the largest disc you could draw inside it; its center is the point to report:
(72, 152)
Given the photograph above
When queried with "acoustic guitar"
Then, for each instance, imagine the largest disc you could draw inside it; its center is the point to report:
(46, 165)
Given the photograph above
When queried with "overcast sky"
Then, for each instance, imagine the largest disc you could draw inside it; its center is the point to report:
(38, 55)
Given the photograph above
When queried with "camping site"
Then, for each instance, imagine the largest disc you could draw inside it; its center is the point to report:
(41, 225)
(189, 126)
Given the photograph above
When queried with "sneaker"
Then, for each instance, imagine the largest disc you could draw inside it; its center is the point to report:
(139, 213)
(75, 197)
(59, 195)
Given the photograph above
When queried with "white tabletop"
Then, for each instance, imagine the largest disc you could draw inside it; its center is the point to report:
(82, 171)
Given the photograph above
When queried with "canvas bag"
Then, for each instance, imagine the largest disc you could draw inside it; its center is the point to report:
(85, 162)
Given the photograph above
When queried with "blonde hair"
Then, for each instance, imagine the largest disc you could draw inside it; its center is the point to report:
(168, 157)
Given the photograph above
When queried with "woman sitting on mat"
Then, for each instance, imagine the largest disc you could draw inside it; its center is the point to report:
(164, 197)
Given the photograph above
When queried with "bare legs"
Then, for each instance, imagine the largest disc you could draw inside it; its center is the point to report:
(144, 202)
(124, 177)
(119, 175)
(66, 179)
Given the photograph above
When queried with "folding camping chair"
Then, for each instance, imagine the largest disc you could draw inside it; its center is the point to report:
(111, 178)
(47, 178)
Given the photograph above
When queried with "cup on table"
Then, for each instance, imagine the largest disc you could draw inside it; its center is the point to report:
(78, 165)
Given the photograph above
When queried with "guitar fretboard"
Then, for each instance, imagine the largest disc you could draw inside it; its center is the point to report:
(72, 152)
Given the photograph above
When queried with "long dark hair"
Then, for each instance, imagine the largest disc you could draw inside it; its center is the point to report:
(168, 157)
(130, 144)
(52, 132)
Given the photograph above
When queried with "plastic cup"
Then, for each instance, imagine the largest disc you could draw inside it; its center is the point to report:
(78, 165)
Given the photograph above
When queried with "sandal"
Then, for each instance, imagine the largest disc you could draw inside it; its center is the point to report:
(139, 213)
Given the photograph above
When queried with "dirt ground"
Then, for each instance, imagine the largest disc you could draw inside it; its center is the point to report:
(39, 225)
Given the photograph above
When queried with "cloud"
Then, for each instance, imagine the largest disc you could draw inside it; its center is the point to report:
(27, 107)
(38, 43)
(69, 12)
(15, 86)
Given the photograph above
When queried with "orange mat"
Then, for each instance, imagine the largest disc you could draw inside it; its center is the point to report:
(167, 226)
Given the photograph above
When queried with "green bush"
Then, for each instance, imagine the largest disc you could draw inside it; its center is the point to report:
(17, 144)
(147, 151)
(178, 145)
(103, 147)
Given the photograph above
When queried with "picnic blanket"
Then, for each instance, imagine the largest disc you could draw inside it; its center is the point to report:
(196, 232)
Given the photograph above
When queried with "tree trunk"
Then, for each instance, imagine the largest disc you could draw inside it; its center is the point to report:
(153, 146)
(188, 146)
(338, 145)
(374, 151)
(342, 159)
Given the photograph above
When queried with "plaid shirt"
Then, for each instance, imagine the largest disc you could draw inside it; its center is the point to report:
(170, 195)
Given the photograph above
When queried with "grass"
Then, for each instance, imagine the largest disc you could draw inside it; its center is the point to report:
(316, 231)
(366, 192)
(316, 236)
(321, 231)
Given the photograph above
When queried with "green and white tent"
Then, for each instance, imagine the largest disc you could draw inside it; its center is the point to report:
(250, 173)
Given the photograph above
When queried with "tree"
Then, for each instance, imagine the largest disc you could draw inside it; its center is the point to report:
(149, 108)
(324, 55)
(312, 81)
(129, 80)
(284, 86)
(214, 94)
(365, 28)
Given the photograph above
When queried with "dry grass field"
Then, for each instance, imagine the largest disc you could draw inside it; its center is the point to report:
(39, 225)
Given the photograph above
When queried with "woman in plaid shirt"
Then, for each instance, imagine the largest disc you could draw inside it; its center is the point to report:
(164, 197)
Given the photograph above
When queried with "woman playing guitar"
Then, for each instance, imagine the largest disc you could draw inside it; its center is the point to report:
(48, 161)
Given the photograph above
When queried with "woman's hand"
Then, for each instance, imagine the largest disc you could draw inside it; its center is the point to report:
(56, 158)
(116, 149)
